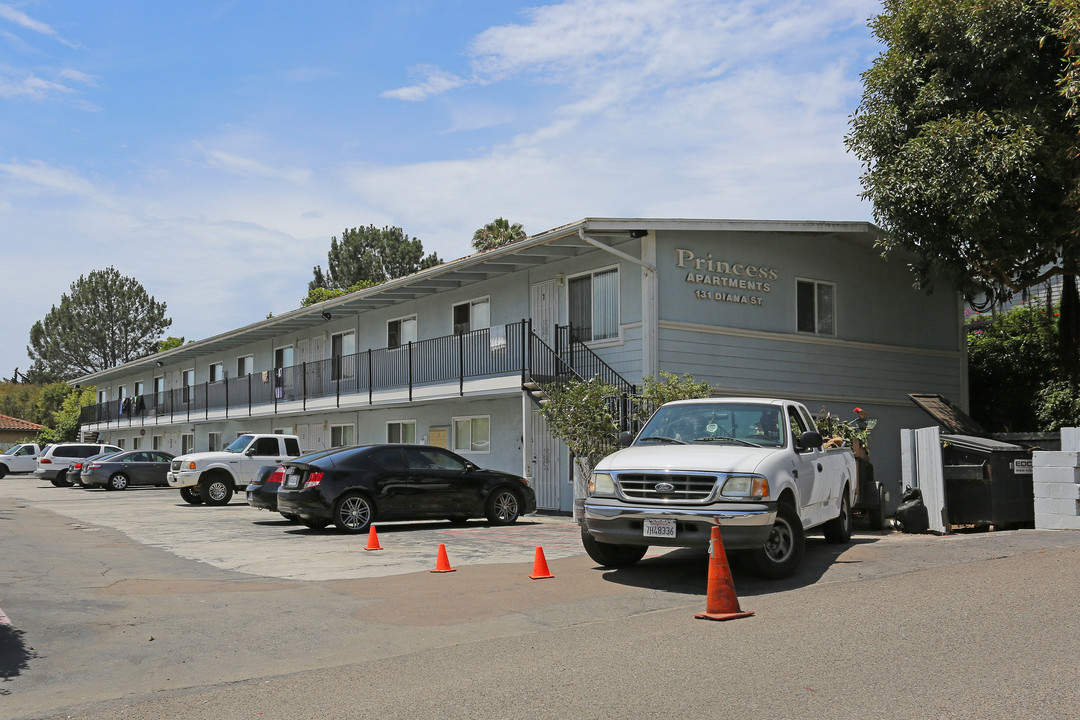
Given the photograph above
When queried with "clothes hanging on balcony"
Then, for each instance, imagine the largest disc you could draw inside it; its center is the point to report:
(279, 381)
(140, 404)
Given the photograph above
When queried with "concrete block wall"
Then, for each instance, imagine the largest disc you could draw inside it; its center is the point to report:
(1056, 480)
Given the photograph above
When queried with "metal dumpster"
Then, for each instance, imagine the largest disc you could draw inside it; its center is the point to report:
(987, 482)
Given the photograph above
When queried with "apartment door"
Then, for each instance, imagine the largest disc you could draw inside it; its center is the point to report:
(546, 465)
(544, 307)
(318, 437)
(303, 431)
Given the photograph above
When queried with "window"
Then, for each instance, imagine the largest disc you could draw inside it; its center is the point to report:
(187, 380)
(217, 372)
(816, 307)
(472, 315)
(120, 443)
(266, 446)
(429, 459)
(283, 356)
(121, 392)
(187, 443)
(157, 442)
(136, 443)
(594, 305)
(342, 347)
(341, 435)
(245, 365)
(159, 384)
(472, 434)
(401, 431)
(139, 387)
(102, 397)
(401, 331)
(213, 441)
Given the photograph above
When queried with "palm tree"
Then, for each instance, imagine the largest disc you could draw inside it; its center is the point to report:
(496, 233)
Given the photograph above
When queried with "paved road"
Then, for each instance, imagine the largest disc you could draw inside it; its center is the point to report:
(135, 605)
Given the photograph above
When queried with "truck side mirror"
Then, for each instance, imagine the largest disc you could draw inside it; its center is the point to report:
(809, 440)
(625, 439)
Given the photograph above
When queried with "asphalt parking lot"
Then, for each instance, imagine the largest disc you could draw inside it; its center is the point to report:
(136, 605)
(240, 538)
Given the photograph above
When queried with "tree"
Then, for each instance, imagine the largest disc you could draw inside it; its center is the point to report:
(319, 294)
(497, 232)
(169, 343)
(369, 256)
(65, 424)
(967, 145)
(107, 320)
(655, 393)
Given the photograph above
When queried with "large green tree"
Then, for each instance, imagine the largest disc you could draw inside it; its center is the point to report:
(368, 256)
(968, 146)
(107, 319)
(499, 231)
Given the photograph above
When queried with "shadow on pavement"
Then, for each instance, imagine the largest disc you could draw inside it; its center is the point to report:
(686, 570)
(14, 655)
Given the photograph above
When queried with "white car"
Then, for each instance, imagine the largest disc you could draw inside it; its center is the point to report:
(55, 460)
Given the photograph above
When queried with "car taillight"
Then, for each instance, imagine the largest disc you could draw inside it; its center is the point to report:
(312, 480)
(45, 461)
(77, 466)
(278, 476)
(93, 467)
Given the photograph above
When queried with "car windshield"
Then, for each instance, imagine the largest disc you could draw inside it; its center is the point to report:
(714, 423)
(238, 444)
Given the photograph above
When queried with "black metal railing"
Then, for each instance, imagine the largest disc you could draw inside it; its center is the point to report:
(585, 362)
(489, 352)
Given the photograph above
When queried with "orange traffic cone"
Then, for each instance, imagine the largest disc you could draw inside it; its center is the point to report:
(721, 601)
(540, 568)
(373, 540)
(442, 564)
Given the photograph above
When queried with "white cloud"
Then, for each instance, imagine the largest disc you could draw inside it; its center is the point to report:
(434, 82)
(78, 76)
(25, 21)
(25, 84)
(239, 165)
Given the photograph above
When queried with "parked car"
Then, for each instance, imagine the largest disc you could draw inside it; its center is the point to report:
(75, 468)
(54, 460)
(134, 467)
(19, 458)
(263, 489)
(358, 485)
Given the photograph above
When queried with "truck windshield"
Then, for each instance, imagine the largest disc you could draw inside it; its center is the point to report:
(715, 423)
(239, 444)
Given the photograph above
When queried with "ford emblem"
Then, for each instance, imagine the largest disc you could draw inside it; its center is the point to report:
(664, 487)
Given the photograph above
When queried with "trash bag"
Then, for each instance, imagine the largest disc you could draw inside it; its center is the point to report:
(912, 516)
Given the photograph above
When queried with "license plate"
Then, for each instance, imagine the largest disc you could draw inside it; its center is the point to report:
(292, 479)
(659, 528)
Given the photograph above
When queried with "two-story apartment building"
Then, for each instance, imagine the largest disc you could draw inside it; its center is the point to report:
(804, 310)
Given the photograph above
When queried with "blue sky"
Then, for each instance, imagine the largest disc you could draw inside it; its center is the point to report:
(211, 149)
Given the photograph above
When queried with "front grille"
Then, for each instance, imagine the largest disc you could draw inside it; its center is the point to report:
(687, 488)
(174, 465)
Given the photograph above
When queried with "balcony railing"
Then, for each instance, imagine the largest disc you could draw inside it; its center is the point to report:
(491, 352)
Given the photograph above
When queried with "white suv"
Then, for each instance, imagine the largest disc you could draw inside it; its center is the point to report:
(55, 459)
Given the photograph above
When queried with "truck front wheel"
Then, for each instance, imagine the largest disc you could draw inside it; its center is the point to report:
(191, 495)
(216, 489)
(783, 551)
(612, 556)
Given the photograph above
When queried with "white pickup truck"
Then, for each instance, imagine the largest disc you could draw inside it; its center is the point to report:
(213, 477)
(755, 467)
(19, 458)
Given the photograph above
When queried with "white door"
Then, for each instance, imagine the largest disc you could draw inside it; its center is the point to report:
(318, 437)
(544, 306)
(547, 466)
(317, 367)
(303, 431)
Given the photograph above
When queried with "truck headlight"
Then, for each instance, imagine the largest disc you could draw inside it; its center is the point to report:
(746, 487)
(191, 465)
(601, 484)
